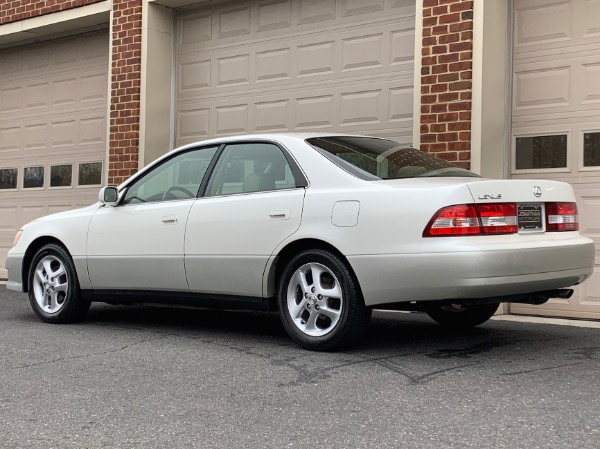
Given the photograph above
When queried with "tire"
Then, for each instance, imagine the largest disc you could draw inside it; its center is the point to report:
(54, 291)
(455, 316)
(327, 314)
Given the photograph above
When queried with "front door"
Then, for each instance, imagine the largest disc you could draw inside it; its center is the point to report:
(139, 244)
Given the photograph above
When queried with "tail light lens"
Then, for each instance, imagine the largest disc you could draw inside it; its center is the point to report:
(498, 218)
(473, 219)
(561, 217)
(454, 220)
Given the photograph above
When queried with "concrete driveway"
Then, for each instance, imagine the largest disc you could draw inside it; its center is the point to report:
(159, 378)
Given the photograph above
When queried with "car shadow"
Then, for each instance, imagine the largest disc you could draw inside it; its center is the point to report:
(388, 331)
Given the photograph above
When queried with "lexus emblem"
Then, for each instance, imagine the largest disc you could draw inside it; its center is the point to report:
(537, 191)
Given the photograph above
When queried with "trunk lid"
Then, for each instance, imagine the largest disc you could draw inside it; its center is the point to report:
(519, 191)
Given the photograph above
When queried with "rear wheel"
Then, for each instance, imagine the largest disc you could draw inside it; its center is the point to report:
(54, 291)
(320, 303)
(458, 316)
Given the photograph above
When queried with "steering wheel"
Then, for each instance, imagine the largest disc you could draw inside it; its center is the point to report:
(177, 189)
(131, 198)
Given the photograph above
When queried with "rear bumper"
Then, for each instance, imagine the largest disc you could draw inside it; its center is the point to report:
(14, 265)
(472, 274)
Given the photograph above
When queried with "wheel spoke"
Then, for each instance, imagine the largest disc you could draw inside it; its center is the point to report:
(62, 288)
(333, 314)
(40, 276)
(59, 272)
(316, 271)
(296, 311)
(301, 280)
(47, 263)
(312, 320)
(334, 292)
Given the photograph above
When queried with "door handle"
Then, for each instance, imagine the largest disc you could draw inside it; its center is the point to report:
(279, 214)
(170, 219)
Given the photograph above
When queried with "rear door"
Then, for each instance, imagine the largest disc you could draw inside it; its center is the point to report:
(252, 202)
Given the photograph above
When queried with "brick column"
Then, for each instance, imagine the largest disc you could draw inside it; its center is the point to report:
(446, 73)
(125, 90)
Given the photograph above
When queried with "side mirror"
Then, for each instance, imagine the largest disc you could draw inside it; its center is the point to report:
(109, 196)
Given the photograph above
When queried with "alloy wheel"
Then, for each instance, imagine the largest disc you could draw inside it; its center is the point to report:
(314, 299)
(50, 284)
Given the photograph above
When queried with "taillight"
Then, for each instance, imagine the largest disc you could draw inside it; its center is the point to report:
(454, 220)
(498, 218)
(473, 219)
(561, 217)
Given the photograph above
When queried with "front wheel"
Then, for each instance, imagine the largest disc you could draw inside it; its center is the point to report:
(320, 302)
(54, 291)
(457, 316)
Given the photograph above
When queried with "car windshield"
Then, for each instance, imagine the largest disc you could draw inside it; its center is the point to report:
(374, 159)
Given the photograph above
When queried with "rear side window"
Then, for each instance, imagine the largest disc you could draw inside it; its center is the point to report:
(372, 159)
(250, 168)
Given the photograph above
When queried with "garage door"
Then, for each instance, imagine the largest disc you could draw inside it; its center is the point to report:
(296, 65)
(52, 129)
(556, 118)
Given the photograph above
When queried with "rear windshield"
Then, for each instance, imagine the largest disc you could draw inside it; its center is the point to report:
(372, 159)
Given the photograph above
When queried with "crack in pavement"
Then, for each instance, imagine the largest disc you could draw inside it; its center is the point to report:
(588, 353)
(515, 373)
(83, 356)
(423, 378)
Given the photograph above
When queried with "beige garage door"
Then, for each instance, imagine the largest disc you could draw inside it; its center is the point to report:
(296, 65)
(556, 118)
(52, 129)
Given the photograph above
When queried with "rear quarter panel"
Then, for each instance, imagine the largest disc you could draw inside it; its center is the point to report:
(391, 217)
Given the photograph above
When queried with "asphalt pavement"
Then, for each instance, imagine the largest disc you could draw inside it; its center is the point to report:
(138, 377)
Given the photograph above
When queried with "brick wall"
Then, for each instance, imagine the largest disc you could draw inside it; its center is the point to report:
(446, 76)
(14, 10)
(125, 90)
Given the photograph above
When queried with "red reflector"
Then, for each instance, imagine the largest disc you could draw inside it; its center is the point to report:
(561, 217)
(454, 220)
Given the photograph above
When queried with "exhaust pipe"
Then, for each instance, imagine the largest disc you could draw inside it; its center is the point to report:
(542, 297)
(564, 293)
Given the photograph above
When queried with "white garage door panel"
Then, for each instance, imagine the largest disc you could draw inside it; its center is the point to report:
(334, 65)
(370, 106)
(569, 84)
(53, 103)
(556, 89)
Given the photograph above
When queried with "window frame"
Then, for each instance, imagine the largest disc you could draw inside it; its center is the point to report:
(513, 164)
(60, 164)
(581, 156)
(88, 186)
(16, 189)
(44, 179)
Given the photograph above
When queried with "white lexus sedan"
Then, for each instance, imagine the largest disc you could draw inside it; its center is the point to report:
(323, 228)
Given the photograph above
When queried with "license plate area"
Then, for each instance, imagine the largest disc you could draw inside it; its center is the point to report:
(530, 217)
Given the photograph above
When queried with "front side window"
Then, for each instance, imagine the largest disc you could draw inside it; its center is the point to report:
(375, 159)
(248, 168)
(178, 178)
